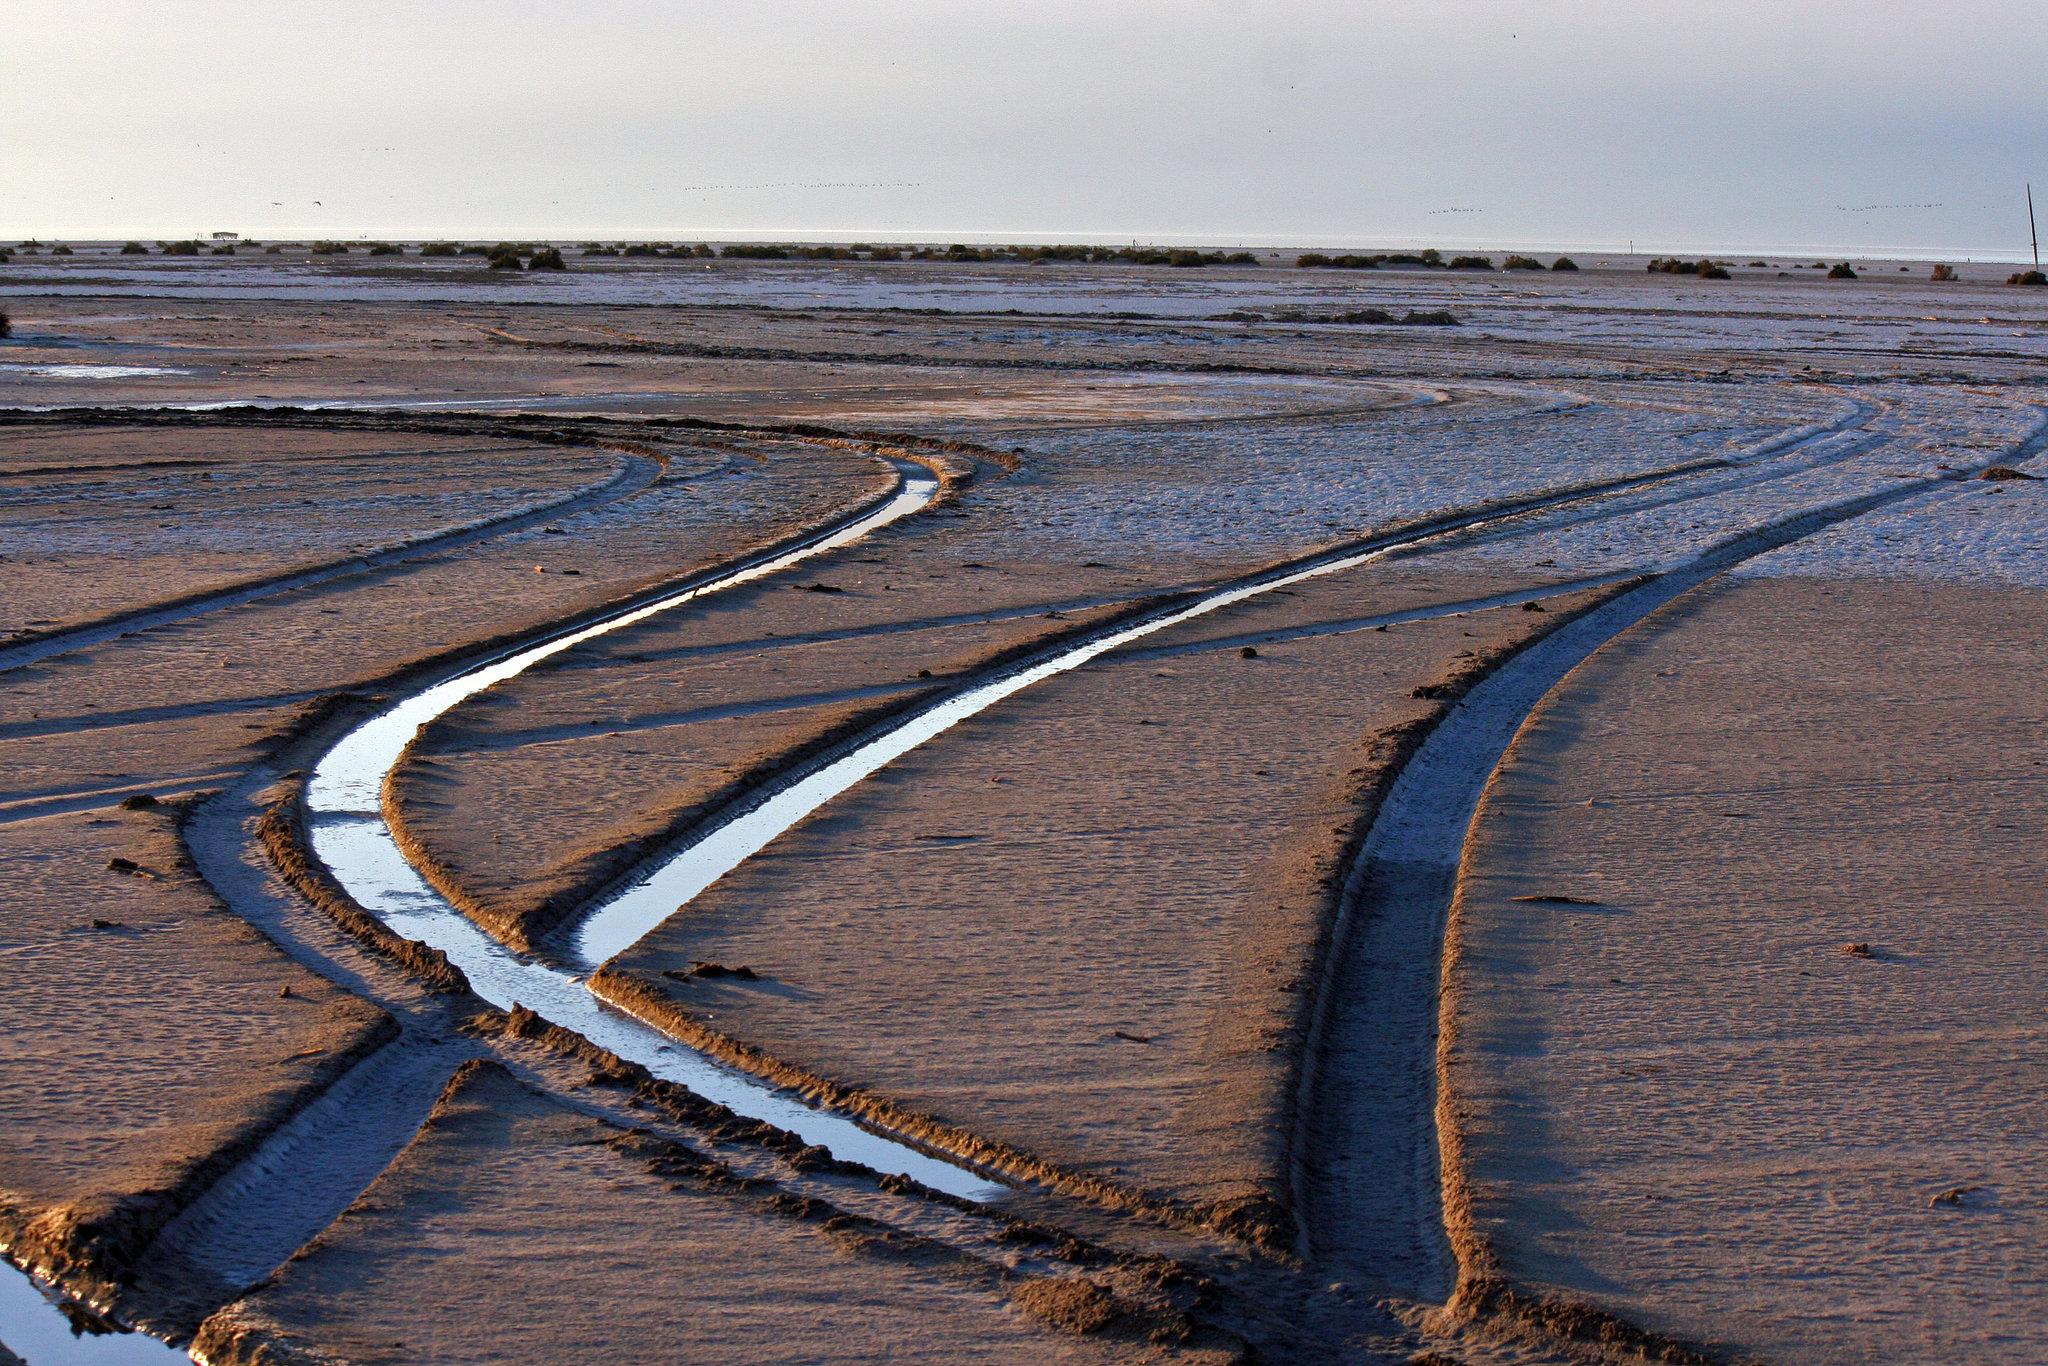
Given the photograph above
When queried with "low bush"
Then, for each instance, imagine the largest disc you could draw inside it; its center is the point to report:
(1564, 263)
(1317, 260)
(640, 249)
(1441, 317)
(474, 251)
(1943, 273)
(547, 258)
(504, 256)
(1759, 265)
(885, 254)
(329, 248)
(441, 249)
(60, 250)
(1471, 263)
(134, 249)
(386, 249)
(1522, 263)
(2028, 277)
(6, 324)
(5, 256)
(1706, 268)
(179, 248)
(222, 250)
(741, 252)
(274, 249)
(600, 251)
(1842, 272)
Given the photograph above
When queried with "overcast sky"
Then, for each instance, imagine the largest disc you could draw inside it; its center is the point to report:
(1675, 125)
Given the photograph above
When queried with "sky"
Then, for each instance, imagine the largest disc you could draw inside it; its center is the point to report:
(1884, 125)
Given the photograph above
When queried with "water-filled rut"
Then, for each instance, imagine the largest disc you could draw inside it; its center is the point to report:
(350, 834)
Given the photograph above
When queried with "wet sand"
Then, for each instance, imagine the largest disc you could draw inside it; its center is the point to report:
(1143, 878)
(1100, 897)
(515, 1226)
(1776, 1084)
(151, 1037)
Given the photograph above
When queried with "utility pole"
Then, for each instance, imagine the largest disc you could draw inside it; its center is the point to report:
(2032, 231)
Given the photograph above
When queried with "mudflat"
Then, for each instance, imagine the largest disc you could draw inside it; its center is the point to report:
(1080, 936)
(515, 1224)
(1080, 925)
(1744, 1007)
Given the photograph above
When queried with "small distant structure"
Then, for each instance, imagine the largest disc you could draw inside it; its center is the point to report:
(227, 237)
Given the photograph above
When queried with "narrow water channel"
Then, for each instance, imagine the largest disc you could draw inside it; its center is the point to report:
(350, 835)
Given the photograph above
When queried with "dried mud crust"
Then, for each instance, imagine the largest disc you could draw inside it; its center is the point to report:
(975, 946)
(1780, 1047)
(151, 1040)
(484, 1206)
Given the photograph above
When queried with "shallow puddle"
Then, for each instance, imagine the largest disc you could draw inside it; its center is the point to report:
(89, 371)
(36, 1330)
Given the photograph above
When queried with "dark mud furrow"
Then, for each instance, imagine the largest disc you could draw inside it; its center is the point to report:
(639, 472)
(1376, 1139)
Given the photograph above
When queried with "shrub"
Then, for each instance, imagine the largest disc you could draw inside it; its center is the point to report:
(703, 249)
(329, 248)
(741, 252)
(60, 250)
(1522, 263)
(1186, 258)
(273, 250)
(223, 250)
(386, 249)
(1706, 268)
(1943, 273)
(1564, 263)
(1759, 265)
(885, 254)
(504, 256)
(1471, 263)
(1842, 272)
(181, 248)
(2028, 277)
(134, 249)
(1441, 317)
(441, 249)
(547, 258)
(6, 324)
(5, 256)
(600, 251)
(640, 249)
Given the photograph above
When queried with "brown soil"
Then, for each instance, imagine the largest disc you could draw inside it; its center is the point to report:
(1676, 1099)
(1069, 1010)
(103, 520)
(516, 1224)
(184, 1038)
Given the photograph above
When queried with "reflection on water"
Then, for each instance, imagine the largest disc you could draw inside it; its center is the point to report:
(34, 1328)
(351, 837)
(90, 371)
